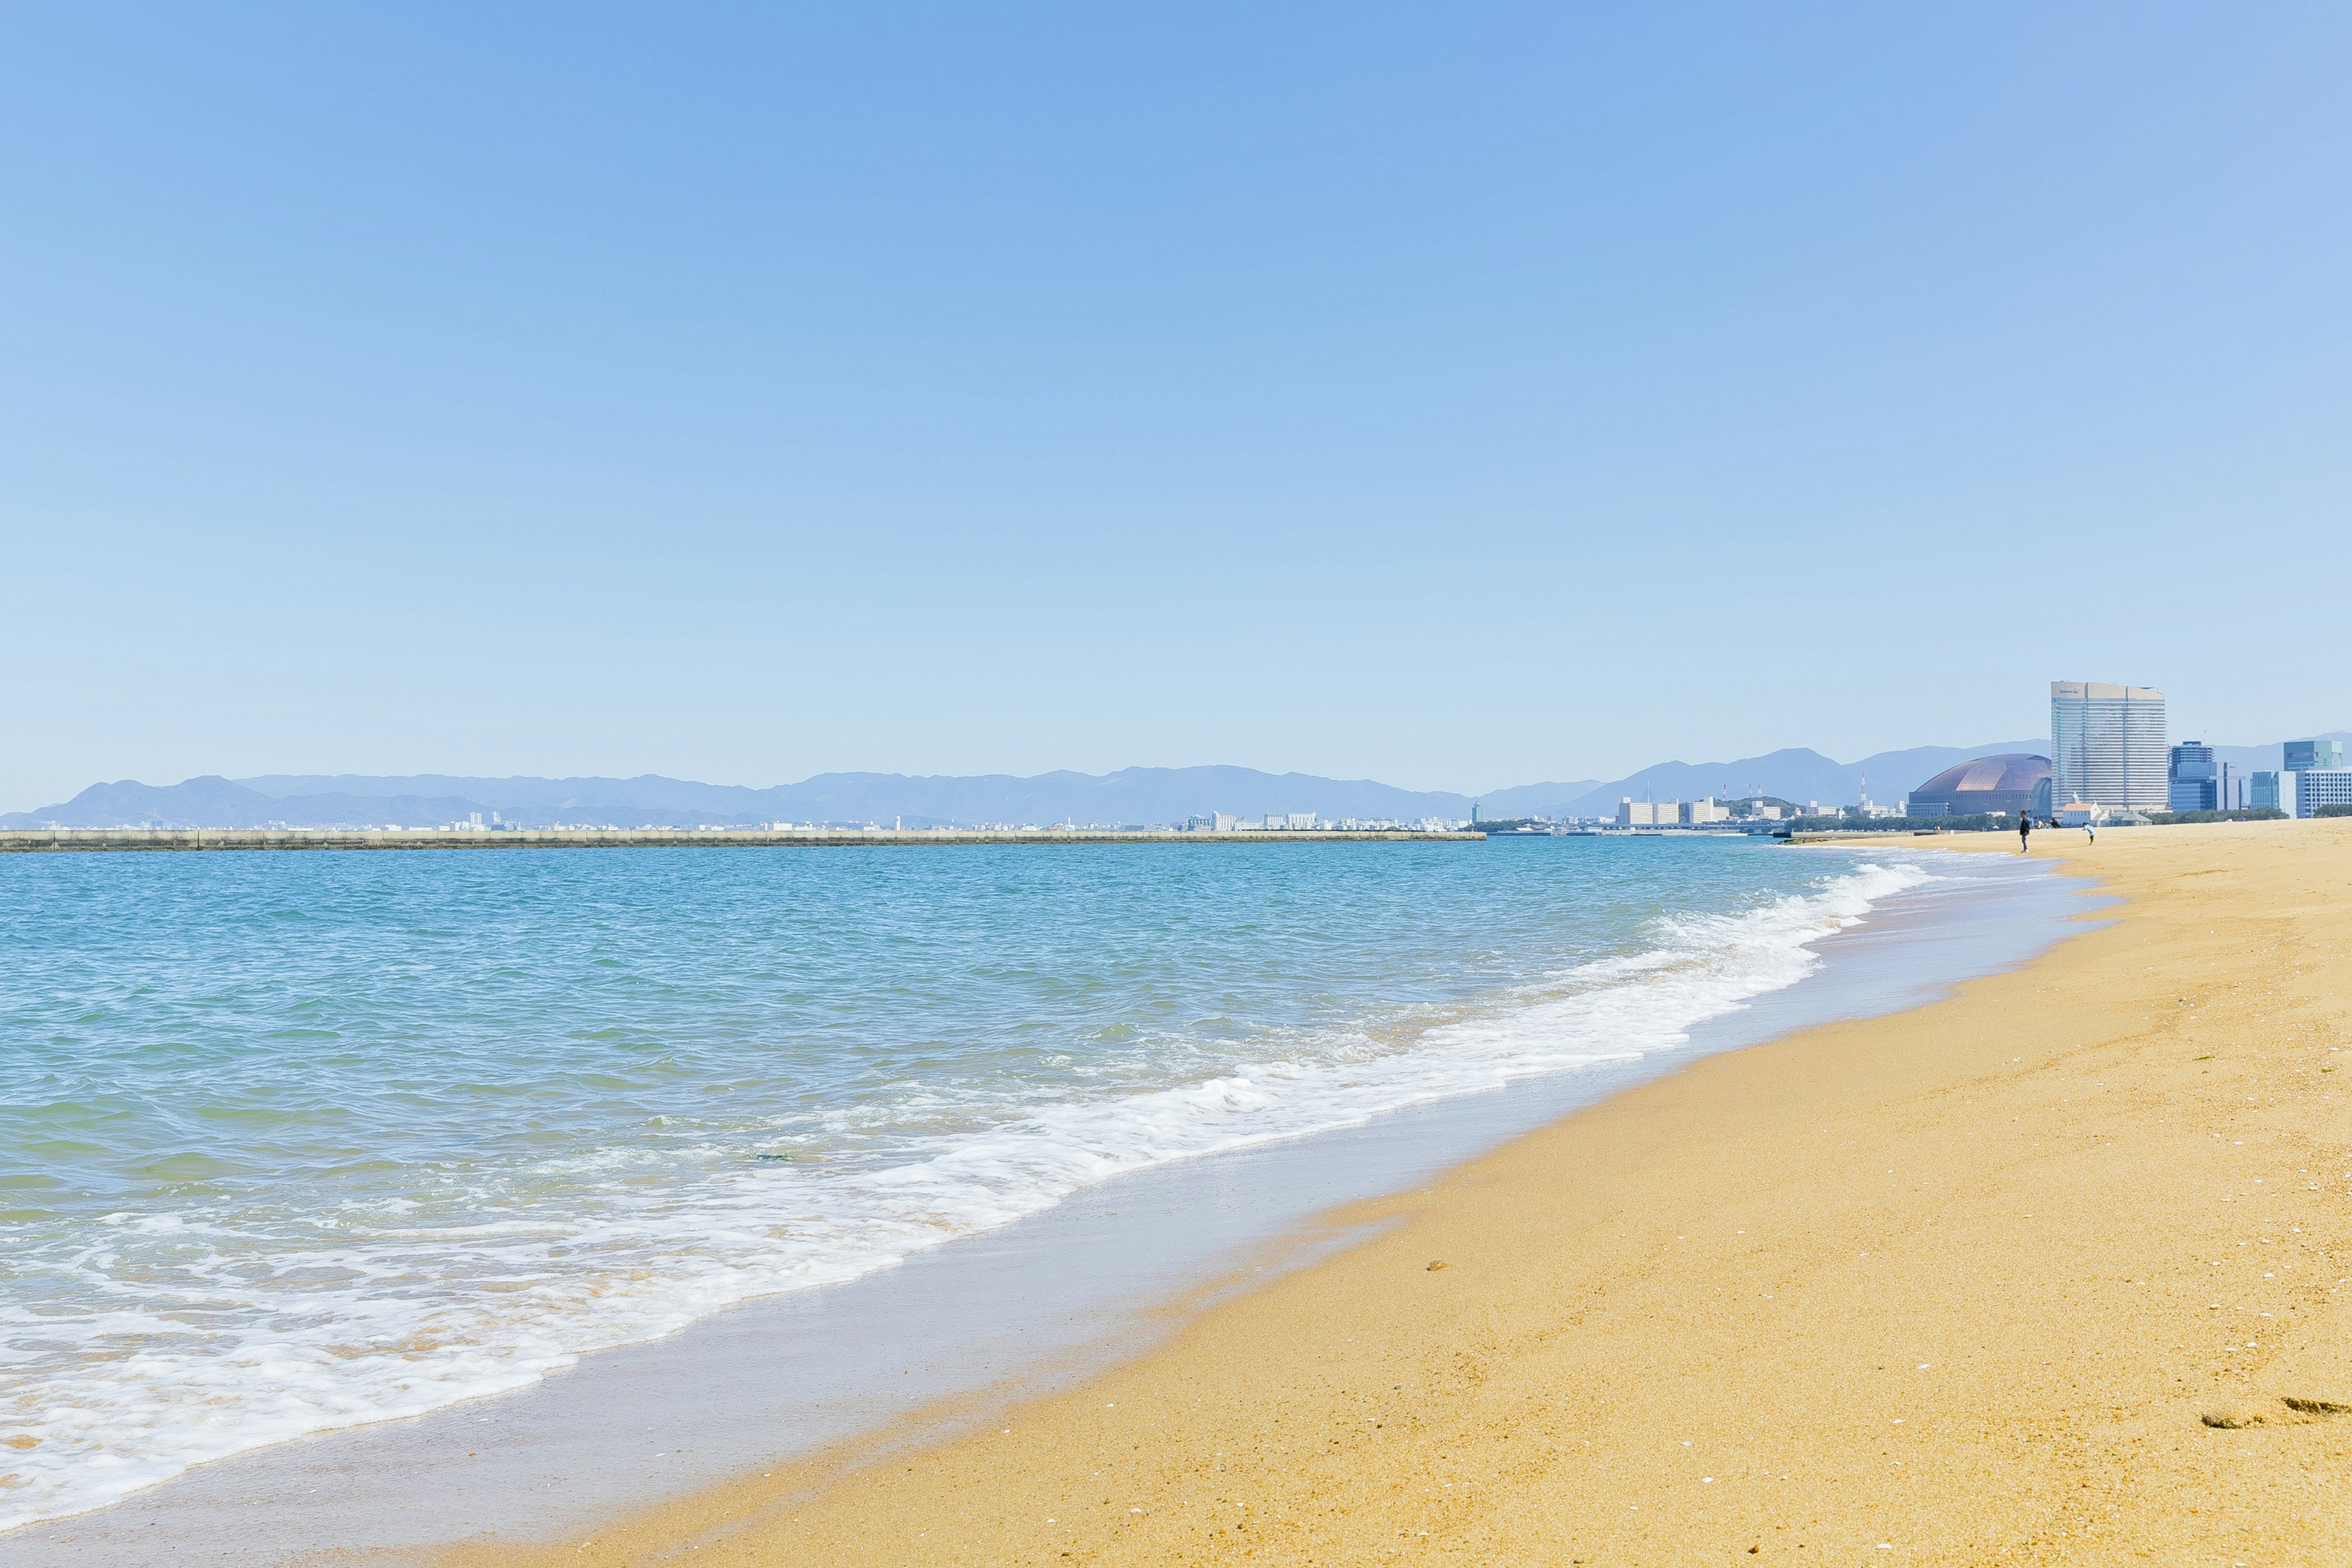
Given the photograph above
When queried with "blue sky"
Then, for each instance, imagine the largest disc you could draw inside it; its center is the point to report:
(1457, 396)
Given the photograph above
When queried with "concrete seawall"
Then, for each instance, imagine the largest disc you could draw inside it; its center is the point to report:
(43, 840)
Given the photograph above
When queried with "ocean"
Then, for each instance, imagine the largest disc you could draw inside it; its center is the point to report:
(295, 1141)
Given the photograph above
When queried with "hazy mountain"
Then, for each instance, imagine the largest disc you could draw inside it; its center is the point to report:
(601, 798)
(215, 802)
(1798, 774)
(208, 802)
(1533, 800)
(1130, 796)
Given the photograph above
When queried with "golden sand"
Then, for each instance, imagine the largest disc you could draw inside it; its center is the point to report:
(2053, 1268)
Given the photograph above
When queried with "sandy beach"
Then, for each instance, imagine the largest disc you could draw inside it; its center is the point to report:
(2050, 1268)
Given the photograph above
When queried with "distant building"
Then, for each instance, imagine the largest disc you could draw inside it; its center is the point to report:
(2082, 813)
(1694, 813)
(2192, 783)
(2315, 787)
(2007, 783)
(1300, 819)
(2315, 775)
(1631, 812)
(2106, 744)
(2307, 756)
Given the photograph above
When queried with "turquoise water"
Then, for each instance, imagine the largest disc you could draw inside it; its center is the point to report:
(295, 1141)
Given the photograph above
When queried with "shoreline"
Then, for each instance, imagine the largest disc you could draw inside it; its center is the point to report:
(1242, 1215)
(2049, 1267)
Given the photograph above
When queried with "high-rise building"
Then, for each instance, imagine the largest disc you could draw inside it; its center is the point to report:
(2305, 756)
(2191, 782)
(2315, 787)
(2106, 744)
(2270, 791)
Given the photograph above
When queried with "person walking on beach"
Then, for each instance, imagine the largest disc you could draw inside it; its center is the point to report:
(2091, 830)
(2024, 827)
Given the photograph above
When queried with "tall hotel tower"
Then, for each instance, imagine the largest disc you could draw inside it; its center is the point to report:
(2106, 744)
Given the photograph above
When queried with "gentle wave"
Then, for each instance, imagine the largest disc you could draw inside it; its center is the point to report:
(257, 1341)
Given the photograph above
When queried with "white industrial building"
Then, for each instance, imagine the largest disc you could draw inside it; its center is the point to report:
(1631, 812)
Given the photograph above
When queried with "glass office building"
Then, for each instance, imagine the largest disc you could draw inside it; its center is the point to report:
(2192, 783)
(2106, 744)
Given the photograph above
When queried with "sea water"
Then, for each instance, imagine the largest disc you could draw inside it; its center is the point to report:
(291, 1142)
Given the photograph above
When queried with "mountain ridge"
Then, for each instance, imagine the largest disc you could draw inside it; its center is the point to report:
(1130, 796)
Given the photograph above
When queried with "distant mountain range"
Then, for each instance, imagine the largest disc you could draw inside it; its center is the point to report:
(1131, 795)
(1798, 774)
(215, 802)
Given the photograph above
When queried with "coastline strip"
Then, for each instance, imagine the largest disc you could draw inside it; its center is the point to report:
(46, 840)
(2054, 1267)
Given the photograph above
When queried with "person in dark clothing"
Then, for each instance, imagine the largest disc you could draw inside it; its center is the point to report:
(2024, 827)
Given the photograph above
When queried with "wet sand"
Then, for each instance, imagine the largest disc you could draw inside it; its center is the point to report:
(2050, 1268)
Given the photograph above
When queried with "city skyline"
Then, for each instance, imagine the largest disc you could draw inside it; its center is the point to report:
(1795, 775)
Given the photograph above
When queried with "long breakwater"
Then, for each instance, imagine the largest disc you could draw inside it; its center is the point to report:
(52, 839)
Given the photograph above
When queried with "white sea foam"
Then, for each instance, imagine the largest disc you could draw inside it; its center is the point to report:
(247, 1348)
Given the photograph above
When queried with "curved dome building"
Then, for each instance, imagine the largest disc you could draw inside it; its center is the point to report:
(2009, 784)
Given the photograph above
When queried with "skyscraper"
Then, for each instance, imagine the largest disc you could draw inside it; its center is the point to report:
(2106, 744)
(2191, 782)
(2303, 757)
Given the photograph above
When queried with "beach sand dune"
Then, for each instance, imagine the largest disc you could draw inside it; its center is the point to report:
(2053, 1268)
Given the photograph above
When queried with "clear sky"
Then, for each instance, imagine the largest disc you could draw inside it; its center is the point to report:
(1456, 396)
